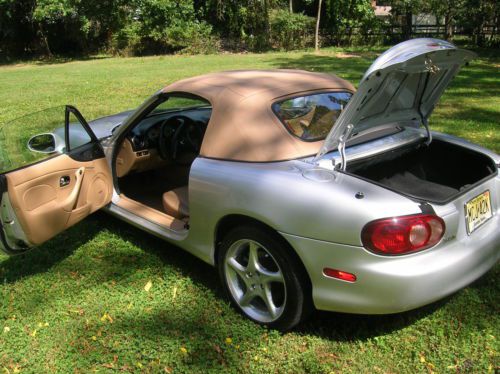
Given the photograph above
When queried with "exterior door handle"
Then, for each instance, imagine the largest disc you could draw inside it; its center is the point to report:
(64, 181)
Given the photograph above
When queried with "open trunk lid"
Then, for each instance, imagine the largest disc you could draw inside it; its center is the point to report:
(401, 87)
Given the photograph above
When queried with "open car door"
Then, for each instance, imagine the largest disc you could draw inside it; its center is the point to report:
(50, 181)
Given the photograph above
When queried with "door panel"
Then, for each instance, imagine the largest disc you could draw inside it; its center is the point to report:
(57, 193)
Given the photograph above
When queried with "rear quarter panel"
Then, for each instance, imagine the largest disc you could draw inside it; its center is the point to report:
(279, 195)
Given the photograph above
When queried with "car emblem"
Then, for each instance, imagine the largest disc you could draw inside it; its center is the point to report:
(430, 66)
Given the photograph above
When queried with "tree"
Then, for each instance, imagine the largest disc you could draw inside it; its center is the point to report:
(16, 28)
(348, 19)
(316, 33)
(404, 10)
(475, 15)
(444, 9)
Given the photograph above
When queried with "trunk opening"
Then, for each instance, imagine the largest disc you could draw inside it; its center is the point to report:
(435, 173)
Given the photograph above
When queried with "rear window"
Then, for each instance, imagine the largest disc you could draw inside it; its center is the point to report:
(311, 117)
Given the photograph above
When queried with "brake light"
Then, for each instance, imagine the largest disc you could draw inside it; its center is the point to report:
(402, 235)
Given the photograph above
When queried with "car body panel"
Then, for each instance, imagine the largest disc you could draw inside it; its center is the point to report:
(402, 86)
(395, 284)
(105, 126)
(279, 194)
(388, 284)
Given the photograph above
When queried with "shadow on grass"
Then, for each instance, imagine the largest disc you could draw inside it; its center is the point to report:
(40, 259)
(54, 60)
(353, 327)
(351, 68)
(480, 115)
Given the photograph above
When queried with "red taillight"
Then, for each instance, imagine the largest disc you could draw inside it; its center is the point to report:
(402, 235)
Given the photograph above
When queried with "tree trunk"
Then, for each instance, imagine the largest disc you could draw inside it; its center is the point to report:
(448, 27)
(480, 35)
(267, 24)
(290, 4)
(408, 25)
(44, 42)
(316, 35)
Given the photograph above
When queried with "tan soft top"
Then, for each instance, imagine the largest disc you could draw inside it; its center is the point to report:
(243, 126)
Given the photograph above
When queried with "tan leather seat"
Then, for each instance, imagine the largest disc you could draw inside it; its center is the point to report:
(175, 202)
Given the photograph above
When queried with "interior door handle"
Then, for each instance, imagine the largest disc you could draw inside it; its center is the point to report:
(70, 202)
(64, 181)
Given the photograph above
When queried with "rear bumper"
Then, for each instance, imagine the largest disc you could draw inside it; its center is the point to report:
(387, 285)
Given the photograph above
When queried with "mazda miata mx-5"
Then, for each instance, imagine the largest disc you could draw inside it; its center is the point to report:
(302, 191)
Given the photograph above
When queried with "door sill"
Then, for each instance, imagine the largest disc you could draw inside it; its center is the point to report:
(148, 219)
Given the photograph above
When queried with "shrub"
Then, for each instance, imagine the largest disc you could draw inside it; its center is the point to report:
(290, 30)
(163, 27)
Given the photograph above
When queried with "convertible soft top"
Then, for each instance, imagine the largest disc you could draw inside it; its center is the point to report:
(243, 126)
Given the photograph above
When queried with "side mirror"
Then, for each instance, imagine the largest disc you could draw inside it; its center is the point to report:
(42, 143)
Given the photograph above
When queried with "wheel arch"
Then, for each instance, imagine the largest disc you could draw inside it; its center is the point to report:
(231, 221)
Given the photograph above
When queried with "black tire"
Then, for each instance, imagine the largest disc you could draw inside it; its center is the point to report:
(297, 304)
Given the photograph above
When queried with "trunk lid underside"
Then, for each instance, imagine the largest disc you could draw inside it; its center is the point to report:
(401, 87)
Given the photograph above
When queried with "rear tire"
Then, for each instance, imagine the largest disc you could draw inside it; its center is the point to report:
(263, 280)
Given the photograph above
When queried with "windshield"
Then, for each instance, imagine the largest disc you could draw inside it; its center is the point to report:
(178, 103)
(311, 117)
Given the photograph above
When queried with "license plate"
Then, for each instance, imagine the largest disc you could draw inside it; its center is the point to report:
(477, 211)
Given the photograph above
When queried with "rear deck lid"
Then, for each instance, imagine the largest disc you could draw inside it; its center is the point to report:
(402, 87)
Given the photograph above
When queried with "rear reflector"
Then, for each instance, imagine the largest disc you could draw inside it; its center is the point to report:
(339, 274)
(402, 235)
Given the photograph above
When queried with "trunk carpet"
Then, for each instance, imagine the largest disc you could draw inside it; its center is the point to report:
(410, 184)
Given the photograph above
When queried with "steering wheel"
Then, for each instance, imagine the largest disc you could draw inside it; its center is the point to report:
(179, 133)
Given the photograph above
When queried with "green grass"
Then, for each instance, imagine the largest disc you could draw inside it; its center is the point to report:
(79, 304)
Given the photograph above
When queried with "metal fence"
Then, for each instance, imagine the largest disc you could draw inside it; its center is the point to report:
(388, 34)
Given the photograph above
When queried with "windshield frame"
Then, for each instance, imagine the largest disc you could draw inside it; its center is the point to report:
(181, 95)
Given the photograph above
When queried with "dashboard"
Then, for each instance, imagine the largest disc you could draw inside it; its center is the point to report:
(146, 134)
(144, 147)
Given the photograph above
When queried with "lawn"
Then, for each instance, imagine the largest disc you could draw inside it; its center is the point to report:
(106, 297)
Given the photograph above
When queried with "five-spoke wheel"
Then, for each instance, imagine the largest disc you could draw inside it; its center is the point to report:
(262, 278)
(255, 280)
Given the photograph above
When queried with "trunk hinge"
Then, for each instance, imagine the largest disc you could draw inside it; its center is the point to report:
(342, 140)
(429, 134)
(431, 69)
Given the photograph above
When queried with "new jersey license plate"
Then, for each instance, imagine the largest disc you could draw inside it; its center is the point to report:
(477, 211)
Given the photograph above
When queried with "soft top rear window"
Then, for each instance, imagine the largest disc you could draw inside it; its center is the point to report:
(310, 117)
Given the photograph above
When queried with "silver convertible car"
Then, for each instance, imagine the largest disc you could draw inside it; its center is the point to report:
(302, 191)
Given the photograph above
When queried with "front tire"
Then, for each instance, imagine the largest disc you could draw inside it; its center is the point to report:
(262, 278)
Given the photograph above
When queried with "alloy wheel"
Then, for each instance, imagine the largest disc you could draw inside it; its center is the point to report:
(255, 280)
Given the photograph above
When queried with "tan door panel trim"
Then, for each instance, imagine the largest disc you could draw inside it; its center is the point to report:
(38, 196)
(44, 208)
